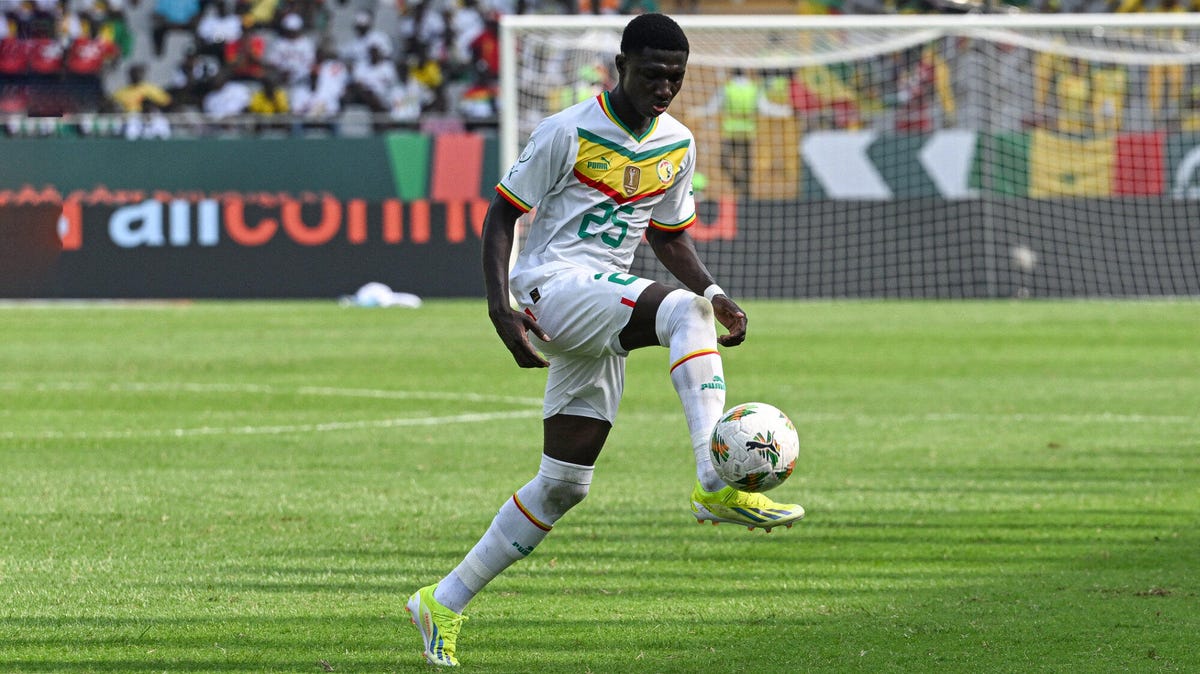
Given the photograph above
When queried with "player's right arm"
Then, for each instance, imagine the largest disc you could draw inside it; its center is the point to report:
(498, 235)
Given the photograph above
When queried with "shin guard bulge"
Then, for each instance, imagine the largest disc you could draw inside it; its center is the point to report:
(685, 324)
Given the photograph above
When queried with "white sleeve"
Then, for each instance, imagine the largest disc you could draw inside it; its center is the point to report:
(543, 163)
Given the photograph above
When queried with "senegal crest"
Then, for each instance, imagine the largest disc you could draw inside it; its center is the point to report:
(666, 171)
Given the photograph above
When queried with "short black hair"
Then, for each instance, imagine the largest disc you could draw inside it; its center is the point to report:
(653, 31)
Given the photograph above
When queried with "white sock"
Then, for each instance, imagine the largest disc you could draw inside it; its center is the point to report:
(685, 325)
(522, 522)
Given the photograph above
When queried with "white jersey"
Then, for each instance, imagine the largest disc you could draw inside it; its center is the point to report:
(294, 57)
(597, 187)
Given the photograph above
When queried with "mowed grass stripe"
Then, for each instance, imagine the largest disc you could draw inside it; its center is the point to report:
(991, 486)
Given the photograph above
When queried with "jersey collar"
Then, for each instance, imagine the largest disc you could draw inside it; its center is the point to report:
(606, 106)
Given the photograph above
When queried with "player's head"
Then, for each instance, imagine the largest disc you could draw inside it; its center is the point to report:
(650, 67)
(653, 31)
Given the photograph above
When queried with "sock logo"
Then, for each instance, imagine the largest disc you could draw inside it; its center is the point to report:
(522, 549)
(716, 384)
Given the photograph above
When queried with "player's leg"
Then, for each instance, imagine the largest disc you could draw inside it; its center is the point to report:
(522, 522)
(581, 400)
(684, 322)
(571, 445)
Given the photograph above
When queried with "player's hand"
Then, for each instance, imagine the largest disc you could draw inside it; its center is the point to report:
(513, 328)
(732, 317)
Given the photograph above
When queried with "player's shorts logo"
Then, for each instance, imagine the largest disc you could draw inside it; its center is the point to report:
(633, 178)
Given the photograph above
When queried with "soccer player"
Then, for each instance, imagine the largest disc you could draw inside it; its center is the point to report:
(602, 173)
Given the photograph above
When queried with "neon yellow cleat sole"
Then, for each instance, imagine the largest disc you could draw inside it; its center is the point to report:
(438, 626)
(749, 509)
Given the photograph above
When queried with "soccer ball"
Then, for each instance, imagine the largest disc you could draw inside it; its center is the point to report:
(754, 447)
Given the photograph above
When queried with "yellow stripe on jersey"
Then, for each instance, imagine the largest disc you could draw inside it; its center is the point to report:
(623, 175)
(513, 199)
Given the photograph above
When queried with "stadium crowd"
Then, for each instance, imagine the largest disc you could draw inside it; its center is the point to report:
(116, 67)
(278, 62)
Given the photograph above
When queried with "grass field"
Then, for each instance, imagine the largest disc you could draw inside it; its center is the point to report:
(256, 487)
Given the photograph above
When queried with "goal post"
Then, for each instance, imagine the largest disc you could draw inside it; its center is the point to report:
(916, 156)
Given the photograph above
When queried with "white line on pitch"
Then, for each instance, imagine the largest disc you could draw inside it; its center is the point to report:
(270, 430)
(382, 394)
(1011, 417)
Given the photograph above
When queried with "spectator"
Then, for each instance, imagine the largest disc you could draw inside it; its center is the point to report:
(109, 25)
(246, 56)
(314, 13)
(194, 77)
(138, 95)
(46, 57)
(821, 97)
(379, 84)
(410, 99)
(422, 31)
(466, 24)
(293, 53)
(217, 28)
(921, 78)
(87, 58)
(357, 48)
(228, 99)
(739, 104)
(33, 20)
(478, 101)
(269, 103)
(485, 48)
(270, 99)
(257, 13)
(319, 98)
(172, 15)
(427, 71)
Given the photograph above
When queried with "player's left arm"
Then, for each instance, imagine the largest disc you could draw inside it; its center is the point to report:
(675, 248)
(677, 251)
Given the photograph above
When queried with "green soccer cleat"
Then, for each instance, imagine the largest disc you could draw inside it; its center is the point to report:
(750, 509)
(438, 626)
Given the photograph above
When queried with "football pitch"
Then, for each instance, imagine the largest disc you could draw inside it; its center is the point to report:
(257, 487)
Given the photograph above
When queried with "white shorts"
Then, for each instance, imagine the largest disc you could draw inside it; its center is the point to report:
(584, 313)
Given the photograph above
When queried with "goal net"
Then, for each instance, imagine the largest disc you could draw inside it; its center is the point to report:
(916, 156)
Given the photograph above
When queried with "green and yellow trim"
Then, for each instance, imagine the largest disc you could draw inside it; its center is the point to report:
(677, 227)
(606, 106)
(513, 199)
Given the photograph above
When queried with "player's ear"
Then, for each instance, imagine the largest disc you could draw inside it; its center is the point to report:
(620, 63)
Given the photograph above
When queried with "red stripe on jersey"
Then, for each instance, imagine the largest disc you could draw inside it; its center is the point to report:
(628, 302)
